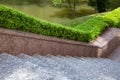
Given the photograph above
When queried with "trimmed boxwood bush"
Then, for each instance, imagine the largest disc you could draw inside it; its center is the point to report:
(114, 17)
(13, 19)
(95, 26)
(97, 22)
(87, 31)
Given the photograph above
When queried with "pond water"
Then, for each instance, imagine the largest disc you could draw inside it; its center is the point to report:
(46, 10)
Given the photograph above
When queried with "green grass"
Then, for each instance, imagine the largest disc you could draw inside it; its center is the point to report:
(85, 32)
(80, 20)
(77, 21)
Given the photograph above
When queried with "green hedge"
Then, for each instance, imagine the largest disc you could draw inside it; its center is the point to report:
(114, 17)
(12, 19)
(95, 26)
(88, 25)
(85, 32)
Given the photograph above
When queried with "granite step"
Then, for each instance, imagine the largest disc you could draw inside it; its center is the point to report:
(36, 67)
(13, 68)
(86, 68)
(41, 62)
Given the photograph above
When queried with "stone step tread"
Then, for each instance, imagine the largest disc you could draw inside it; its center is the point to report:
(50, 63)
(13, 67)
(70, 59)
(82, 65)
(63, 68)
(42, 61)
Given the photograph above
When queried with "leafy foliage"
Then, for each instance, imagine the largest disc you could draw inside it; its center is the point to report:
(57, 2)
(12, 19)
(72, 5)
(87, 31)
(92, 23)
(114, 17)
(95, 26)
(99, 5)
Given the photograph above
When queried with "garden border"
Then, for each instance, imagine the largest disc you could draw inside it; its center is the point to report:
(16, 42)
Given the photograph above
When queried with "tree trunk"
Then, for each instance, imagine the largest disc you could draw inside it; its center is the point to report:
(101, 6)
(72, 5)
(74, 9)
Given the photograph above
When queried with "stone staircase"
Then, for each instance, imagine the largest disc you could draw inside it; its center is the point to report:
(36, 67)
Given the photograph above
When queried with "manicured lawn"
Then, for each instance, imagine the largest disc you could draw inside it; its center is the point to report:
(80, 20)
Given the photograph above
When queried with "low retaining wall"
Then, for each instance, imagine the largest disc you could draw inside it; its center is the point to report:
(107, 49)
(16, 42)
(107, 42)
